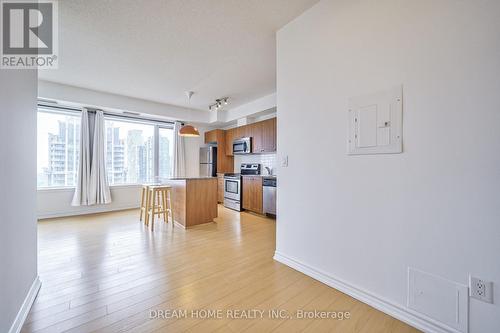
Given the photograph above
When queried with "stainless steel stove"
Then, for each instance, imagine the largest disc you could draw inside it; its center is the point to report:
(232, 185)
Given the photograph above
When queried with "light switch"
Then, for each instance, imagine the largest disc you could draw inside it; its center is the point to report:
(284, 161)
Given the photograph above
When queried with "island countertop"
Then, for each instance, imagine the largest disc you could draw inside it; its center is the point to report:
(190, 178)
(194, 199)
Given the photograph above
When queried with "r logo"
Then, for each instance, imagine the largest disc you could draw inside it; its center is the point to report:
(27, 28)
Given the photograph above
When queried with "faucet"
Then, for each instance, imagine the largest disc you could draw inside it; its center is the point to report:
(269, 171)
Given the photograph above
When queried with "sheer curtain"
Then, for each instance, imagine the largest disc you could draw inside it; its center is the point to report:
(99, 187)
(179, 167)
(92, 185)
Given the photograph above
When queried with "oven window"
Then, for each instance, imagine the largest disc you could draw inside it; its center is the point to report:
(232, 186)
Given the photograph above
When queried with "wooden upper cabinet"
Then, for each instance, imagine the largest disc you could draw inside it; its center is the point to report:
(225, 163)
(211, 136)
(241, 132)
(269, 135)
(256, 132)
(252, 193)
(263, 134)
(229, 141)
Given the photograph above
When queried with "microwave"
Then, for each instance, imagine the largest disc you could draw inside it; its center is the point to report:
(242, 146)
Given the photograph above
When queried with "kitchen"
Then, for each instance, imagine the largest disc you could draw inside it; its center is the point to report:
(243, 158)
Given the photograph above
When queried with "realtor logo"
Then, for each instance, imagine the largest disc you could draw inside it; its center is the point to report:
(29, 34)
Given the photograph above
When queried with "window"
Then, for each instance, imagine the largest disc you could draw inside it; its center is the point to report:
(58, 147)
(137, 150)
(130, 148)
(165, 152)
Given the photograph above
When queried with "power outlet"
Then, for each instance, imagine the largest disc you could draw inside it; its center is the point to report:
(481, 289)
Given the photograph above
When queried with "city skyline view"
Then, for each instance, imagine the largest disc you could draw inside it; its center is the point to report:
(130, 149)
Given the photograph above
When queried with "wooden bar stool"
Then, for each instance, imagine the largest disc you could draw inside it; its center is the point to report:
(144, 203)
(159, 201)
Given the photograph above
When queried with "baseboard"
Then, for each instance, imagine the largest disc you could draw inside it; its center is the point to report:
(397, 311)
(86, 211)
(26, 306)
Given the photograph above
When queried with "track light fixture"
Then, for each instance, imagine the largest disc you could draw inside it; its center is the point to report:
(219, 103)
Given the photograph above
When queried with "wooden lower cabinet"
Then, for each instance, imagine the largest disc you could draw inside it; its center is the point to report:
(252, 193)
(195, 200)
(220, 188)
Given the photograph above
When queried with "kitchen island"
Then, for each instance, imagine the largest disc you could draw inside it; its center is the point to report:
(195, 200)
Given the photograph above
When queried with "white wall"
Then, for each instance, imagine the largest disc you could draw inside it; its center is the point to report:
(57, 202)
(88, 97)
(265, 160)
(260, 105)
(18, 235)
(435, 207)
(192, 147)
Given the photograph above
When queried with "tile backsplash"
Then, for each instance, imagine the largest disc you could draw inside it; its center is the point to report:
(266, 160)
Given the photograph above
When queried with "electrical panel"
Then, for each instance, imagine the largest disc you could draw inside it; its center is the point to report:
(375, 123)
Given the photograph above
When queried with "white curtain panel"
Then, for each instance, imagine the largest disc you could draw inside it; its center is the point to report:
(92, 186)
(179, 168)
(99, 188)
(81, 197)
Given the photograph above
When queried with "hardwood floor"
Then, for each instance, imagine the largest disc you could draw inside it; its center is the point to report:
(108, 273)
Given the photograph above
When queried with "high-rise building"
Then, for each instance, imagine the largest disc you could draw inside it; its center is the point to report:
(165, 165)
(115, 156)
(147, 160)
(62, 152)
(134, 155)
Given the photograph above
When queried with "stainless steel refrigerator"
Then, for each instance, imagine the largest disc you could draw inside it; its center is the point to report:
(208, 161)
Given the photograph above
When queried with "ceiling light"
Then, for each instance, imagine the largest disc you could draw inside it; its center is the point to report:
(219, 103)
(188, 131)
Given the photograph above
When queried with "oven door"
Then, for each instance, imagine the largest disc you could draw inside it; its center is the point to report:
(232, 188)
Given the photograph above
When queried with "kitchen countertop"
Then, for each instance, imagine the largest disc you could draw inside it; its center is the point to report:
(267, 176)
(165, 181)
(188, 178)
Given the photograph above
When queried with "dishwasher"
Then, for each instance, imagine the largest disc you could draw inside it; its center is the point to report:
(269, 195)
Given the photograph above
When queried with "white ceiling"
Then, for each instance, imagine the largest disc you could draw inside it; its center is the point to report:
(158, 49)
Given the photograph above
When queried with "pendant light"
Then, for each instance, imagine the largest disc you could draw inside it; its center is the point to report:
(188, 131)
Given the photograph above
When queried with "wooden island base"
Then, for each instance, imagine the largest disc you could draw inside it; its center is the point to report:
(195, 200)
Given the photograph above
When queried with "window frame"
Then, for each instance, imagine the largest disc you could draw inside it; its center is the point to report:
(157, 144)
(62, 112)
(156, 123)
